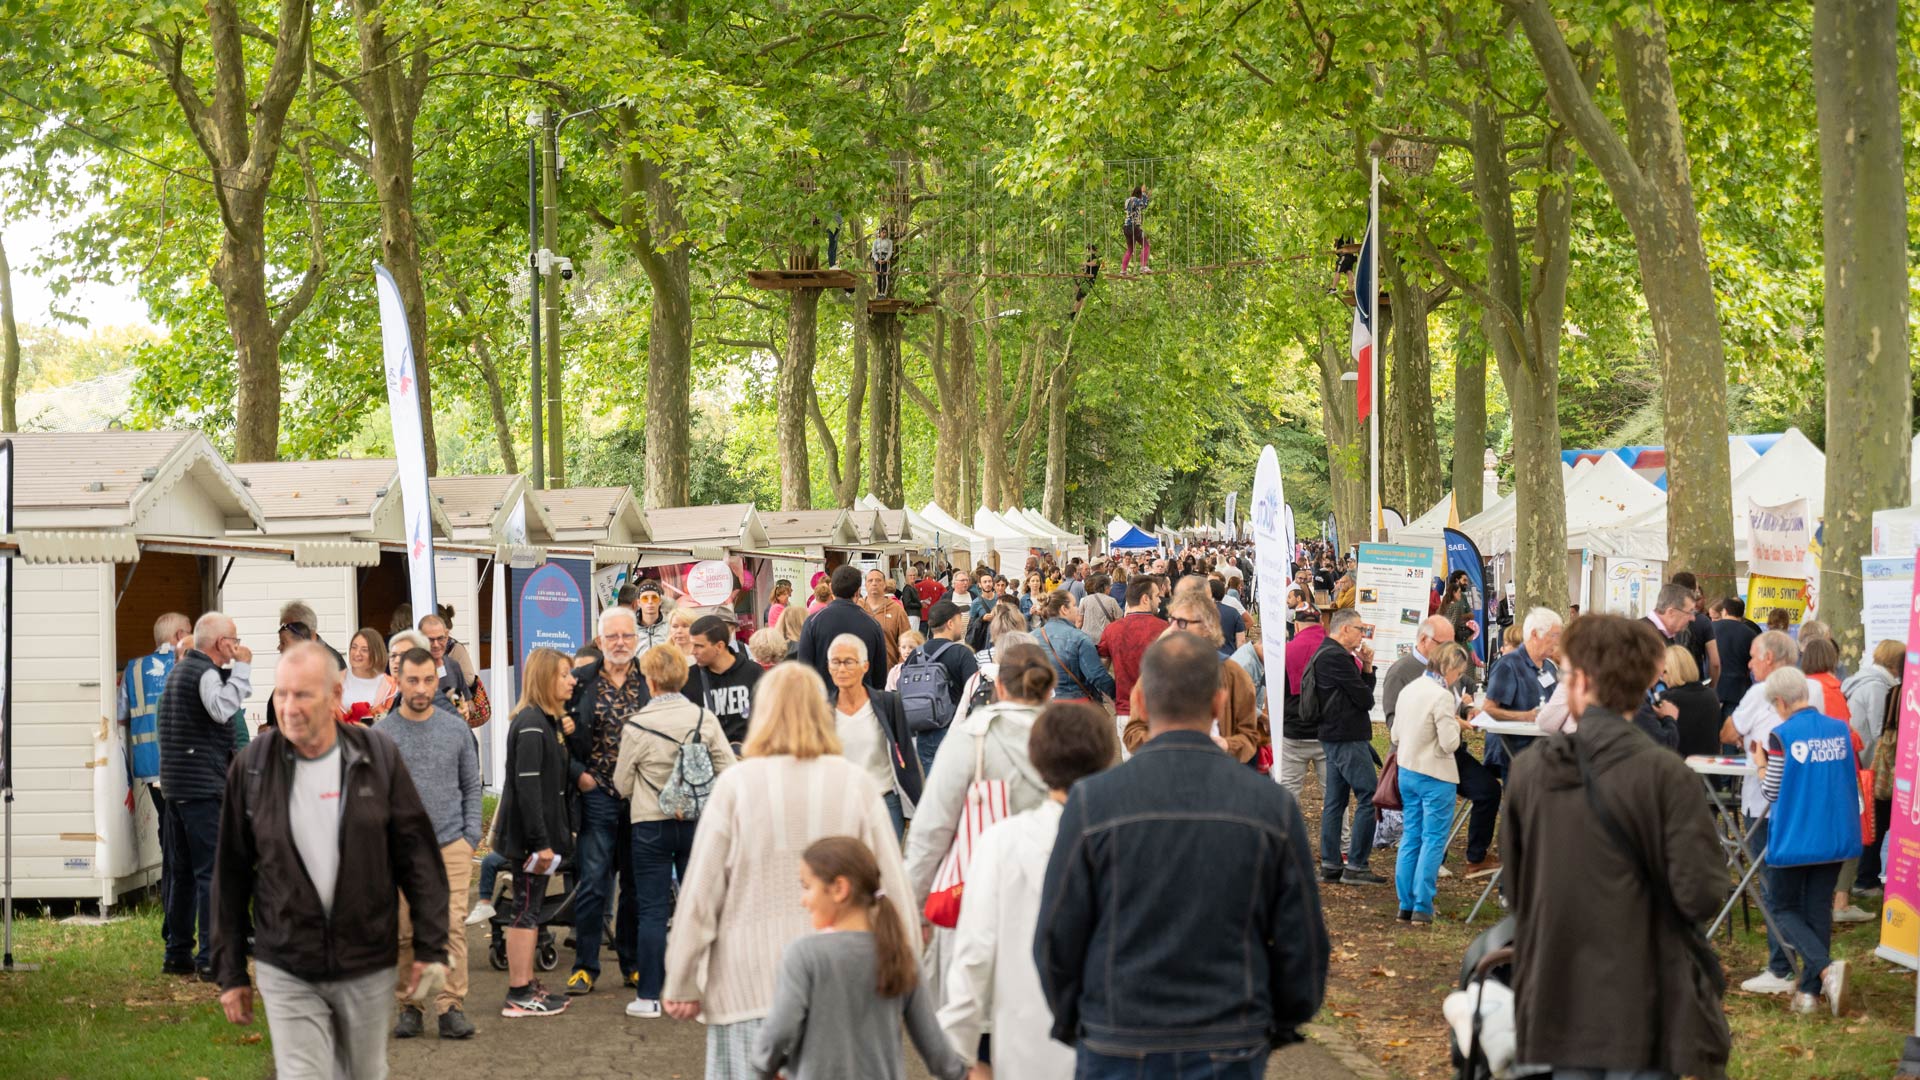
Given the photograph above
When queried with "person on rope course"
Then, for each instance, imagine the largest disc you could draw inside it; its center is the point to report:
(882, 253)
(1133, 230)
(1089, 274)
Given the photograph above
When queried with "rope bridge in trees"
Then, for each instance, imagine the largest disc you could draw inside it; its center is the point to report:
(973, 220)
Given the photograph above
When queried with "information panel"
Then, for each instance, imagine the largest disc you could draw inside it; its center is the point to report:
(1393, 586)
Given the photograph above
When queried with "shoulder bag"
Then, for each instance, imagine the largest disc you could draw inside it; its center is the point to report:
(985, 805)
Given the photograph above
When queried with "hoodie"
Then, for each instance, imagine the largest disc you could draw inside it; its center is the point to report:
(1866, 692)
(728, 695)
(1585, 914)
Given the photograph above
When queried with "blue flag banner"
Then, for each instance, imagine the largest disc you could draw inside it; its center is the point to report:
(1462, 554)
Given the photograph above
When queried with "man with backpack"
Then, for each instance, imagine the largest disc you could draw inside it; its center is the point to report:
(933, 677)
(1611, 865)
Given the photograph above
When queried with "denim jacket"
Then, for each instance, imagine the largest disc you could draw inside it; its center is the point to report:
(1067, 647)
(1218, 942)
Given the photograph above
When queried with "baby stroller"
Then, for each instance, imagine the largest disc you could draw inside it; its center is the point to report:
(554, 911)
(1479, 1015)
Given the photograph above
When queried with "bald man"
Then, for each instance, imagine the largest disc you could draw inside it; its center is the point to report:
(1434, 632)
(320, 827)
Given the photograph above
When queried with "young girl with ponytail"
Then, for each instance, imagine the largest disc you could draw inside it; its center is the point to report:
(844, 990)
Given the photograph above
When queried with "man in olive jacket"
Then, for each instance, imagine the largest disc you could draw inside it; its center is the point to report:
(321, 825)
(1607, 976)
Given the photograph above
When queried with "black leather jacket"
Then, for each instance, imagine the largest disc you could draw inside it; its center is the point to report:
(1219, 944)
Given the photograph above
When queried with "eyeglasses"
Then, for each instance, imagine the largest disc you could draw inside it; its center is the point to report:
(1183, 624)
(845, 661)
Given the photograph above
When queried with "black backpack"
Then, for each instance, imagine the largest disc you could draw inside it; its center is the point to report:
(1309, 699)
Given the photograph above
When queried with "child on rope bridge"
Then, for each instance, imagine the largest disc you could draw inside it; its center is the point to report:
(882, 252)
(1133, 230)
(1089, 273)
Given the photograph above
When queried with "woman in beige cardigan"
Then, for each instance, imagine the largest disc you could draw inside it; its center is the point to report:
(740, 901)
(1426, 731)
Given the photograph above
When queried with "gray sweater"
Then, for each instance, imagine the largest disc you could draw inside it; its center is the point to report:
(830, 1023)
(440, 755)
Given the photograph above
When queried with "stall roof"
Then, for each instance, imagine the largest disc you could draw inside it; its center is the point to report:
(480, 507)
(987, 523)
(945, 523)
(1033, 518)
(724, 525)
(609, 514)
(1132, 540)
(117, 479)
(345, 496)
(901, 526)
(810, 528)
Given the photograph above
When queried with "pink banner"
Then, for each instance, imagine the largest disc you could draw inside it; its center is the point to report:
(1900, 909)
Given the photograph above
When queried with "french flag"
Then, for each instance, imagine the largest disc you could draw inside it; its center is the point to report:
(1363, 304)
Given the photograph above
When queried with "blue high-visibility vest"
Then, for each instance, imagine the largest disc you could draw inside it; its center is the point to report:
(142, 683)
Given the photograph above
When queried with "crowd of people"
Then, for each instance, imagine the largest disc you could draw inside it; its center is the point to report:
(910, 805)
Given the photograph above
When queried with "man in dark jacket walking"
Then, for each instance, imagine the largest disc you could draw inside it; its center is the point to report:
(1343, 696)
(843, 616)
(321, 826)
(1215, 975)
(1599, 906)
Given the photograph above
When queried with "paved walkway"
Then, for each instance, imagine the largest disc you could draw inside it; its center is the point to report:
(595, 1040)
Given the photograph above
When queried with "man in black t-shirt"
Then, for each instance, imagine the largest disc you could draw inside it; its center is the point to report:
(722, 679)
(1733, 637)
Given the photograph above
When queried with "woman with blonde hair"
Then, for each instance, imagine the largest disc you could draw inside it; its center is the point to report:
(737, 912)
(680, 631)
(661, 827)
(1241, 731)
(792, 621)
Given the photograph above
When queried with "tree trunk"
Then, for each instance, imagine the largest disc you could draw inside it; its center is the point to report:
(241, 135)
(1529, 309)
(1417, 457)
(9, 350)
(496, 404)
(1053, 497)
(1346, 442)
(848, 490)
(1649, 177)
(650, 208)
(1856, 69)
(793, 389)
(391, 87)
(550, 324)
(884, 480)
(994, 422)
(1469, 411)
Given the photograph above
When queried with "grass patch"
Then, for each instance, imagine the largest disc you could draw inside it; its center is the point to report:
(99, 1009)
(1771, 1043)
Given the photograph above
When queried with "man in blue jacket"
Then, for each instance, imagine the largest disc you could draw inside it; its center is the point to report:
(1214, 977)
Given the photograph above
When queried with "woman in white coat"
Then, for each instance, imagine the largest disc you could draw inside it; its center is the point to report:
(992, 988)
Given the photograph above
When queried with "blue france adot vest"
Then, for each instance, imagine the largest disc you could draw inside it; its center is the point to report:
(1816, 819)
(142, 683)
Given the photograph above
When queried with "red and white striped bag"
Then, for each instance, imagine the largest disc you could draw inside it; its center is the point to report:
(986, 803)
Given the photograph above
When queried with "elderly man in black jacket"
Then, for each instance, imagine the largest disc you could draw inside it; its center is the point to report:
(1185, 878)
(320, 826)
(843, 616)
(1343, 677)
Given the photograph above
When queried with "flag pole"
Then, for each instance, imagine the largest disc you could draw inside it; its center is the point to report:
(1373, 371)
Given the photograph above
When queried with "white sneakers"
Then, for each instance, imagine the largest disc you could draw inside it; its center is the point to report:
(1852, 914)
(481, 912)
(1768, 983)
(644, 1009)
(1833, 986)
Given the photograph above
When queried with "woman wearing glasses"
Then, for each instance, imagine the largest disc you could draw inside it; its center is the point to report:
(872, 725)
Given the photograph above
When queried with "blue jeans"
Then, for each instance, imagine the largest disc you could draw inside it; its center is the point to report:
(926, 746)
(1777, 961)
(1427, 810)
(196, 834)
(489, 870)
(1349, 773)
(1801, 900)
(660, 852)
(1249, 1063)
(894, 811)
(604, 850)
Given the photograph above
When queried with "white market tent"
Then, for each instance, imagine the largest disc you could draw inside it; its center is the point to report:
(1792, 468)
(1011, 544)
(1425, 531)
(1038, 538)
(947, 533)
(1119, 527)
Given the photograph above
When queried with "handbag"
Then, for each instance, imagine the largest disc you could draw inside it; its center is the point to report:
(1386, 794)
(1865, 775)
(986, 804)
(480, 705)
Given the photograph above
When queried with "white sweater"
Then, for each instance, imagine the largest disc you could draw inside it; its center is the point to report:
(739, 906)
(1426, 731)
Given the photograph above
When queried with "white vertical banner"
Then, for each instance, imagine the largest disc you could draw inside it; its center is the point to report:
(1233, 518)
(6, 627)
(1271, 556)
(409, 444)
(500, 655)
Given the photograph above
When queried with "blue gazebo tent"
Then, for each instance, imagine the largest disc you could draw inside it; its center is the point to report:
(1133, 540)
